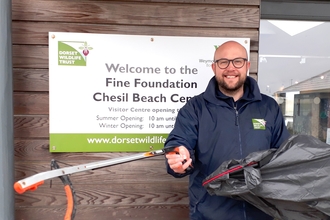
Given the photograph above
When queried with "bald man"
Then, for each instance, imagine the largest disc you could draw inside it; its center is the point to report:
(218, 125)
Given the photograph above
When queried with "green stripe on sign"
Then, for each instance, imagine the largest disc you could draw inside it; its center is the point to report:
(106, 142)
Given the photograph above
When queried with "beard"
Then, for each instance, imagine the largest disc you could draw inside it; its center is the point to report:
(226, 88)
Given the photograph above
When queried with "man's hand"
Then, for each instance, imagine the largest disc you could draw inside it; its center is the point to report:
(179, 160)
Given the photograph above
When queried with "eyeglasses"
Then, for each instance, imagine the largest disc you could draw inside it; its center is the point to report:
(224, 63)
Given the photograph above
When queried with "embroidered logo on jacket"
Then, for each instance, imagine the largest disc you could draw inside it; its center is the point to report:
(259, 124)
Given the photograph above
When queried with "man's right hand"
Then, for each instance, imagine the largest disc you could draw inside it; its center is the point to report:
(180, 160)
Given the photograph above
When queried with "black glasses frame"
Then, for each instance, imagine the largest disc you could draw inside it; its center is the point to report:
(232, 61)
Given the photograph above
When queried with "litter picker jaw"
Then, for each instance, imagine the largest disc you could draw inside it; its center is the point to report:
(20, 189)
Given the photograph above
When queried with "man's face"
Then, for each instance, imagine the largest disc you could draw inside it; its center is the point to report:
(231, 78)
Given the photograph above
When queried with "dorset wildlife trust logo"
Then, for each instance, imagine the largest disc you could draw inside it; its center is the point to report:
(259, 124)
(73, 53)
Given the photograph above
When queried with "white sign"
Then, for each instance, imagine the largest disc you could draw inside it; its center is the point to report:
(123, 92)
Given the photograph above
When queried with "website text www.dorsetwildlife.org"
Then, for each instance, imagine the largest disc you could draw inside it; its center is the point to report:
(127, 140)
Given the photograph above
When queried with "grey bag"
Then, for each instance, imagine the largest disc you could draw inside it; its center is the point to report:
(289, 183)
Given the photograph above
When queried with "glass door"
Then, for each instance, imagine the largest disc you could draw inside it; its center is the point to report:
(294, 69)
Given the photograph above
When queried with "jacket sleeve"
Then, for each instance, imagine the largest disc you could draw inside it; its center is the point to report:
(280, 132)
(184, 133)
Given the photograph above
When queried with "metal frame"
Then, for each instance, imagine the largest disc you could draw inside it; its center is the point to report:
(7, 202)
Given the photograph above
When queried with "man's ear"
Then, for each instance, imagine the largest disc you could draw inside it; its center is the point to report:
(248, 64)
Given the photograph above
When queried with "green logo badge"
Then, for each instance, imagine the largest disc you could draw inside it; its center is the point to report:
(259, 124)
(73, 53)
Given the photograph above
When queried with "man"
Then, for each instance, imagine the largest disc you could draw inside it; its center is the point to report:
(228, 121)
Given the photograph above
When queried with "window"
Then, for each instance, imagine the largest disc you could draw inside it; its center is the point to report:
(294, 68)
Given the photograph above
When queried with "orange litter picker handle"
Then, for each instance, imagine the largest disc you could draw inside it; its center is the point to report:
(175, 150)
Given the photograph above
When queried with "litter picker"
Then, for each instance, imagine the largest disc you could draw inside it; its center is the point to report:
(33, 182)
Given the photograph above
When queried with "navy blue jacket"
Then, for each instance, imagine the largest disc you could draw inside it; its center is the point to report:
(214, 129)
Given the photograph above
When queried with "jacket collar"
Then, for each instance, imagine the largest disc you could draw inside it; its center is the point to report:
(214, 95)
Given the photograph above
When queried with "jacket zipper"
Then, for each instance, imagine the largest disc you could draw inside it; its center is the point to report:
(240, 145)
(236, 114)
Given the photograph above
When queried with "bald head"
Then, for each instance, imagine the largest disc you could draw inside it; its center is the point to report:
(228, 49)
(233, 69)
